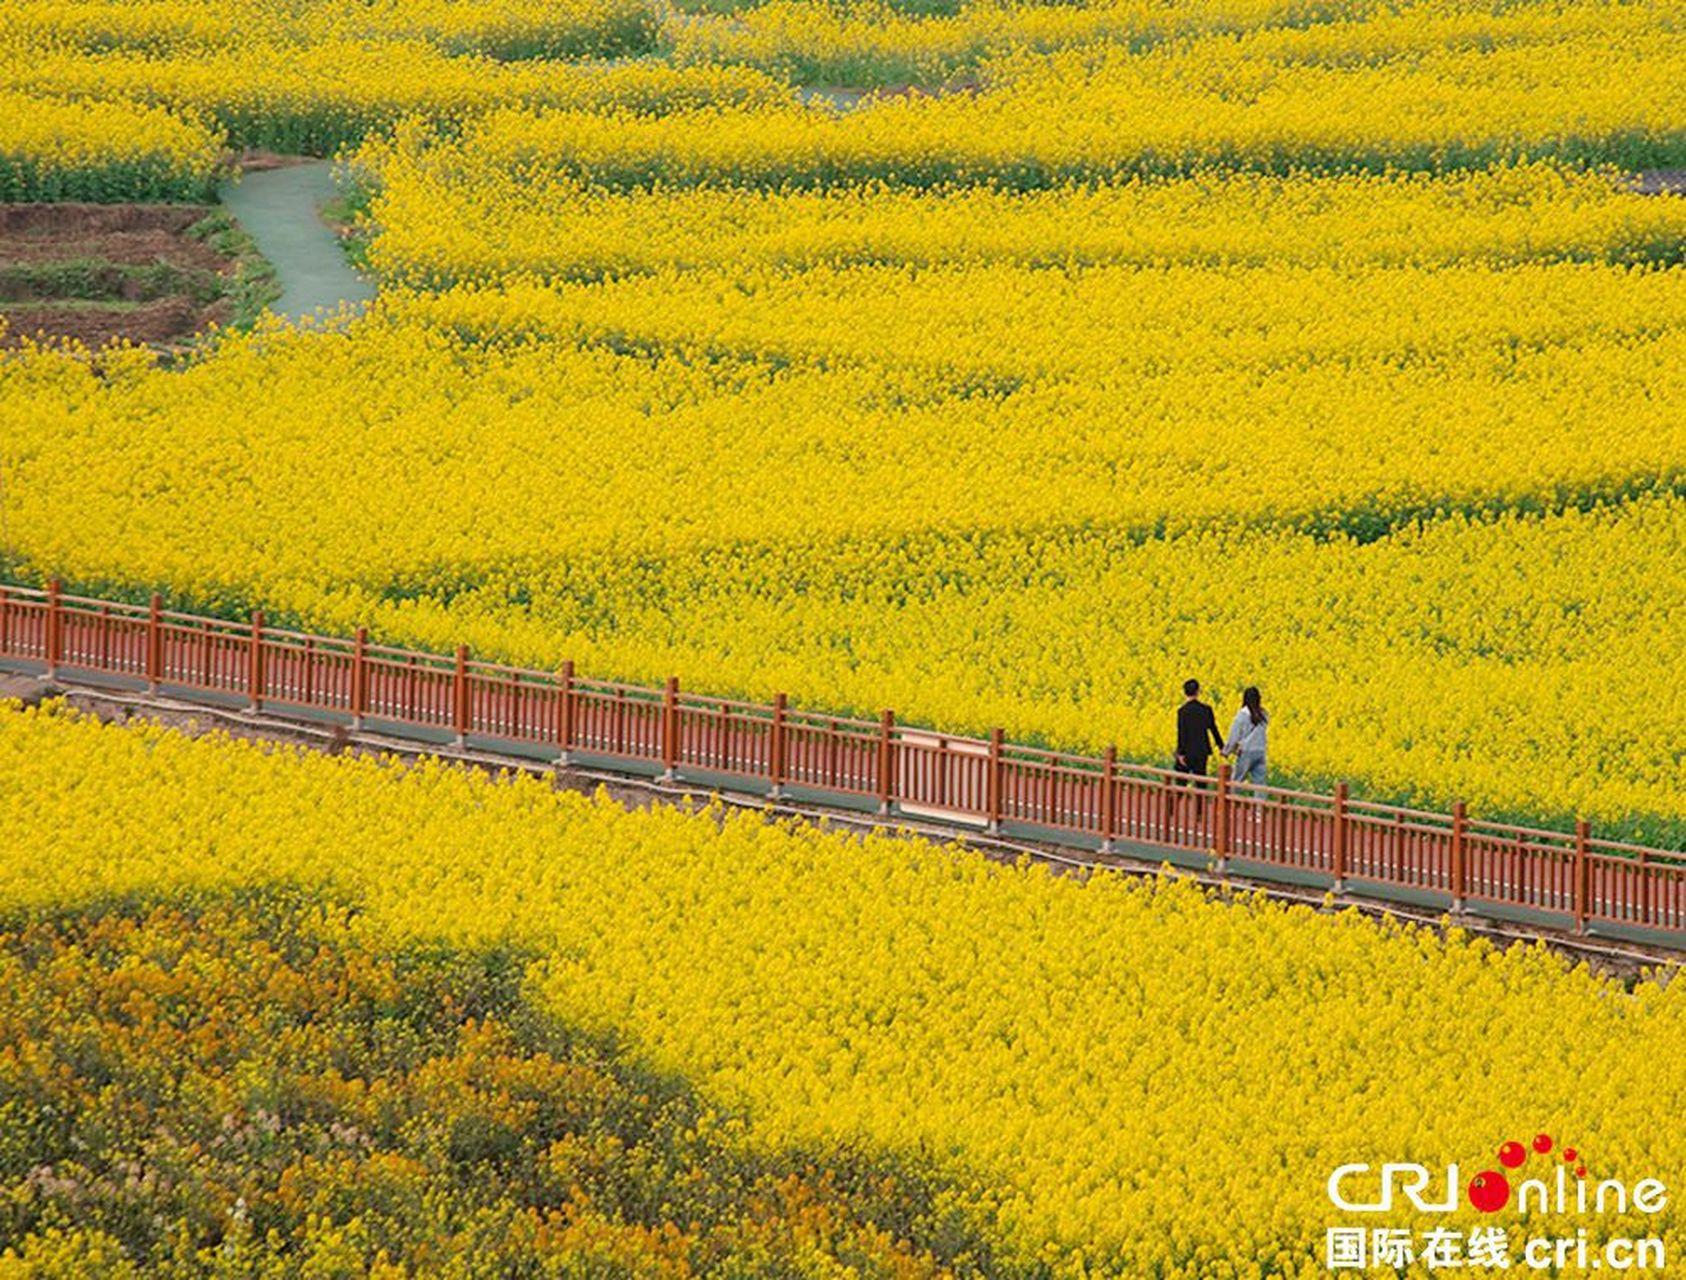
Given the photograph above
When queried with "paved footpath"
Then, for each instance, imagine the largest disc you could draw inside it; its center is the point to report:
(281, 209)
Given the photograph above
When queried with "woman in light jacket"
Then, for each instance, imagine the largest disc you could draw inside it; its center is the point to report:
(1246, 741)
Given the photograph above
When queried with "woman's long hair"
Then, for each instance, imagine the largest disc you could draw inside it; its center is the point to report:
(1255, 708)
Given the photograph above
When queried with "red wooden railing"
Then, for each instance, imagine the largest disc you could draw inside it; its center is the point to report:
(948, 779)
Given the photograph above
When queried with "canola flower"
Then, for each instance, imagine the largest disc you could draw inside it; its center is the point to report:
(923, 404)
(526, 409)
(89, 150)
(1137, 1079)
(937, 44)
(447, 214)
(509, 29)
(1364, 358)
(662, 347)
(932, 42)
(317, 97)
(311, 77)
(1069, 93)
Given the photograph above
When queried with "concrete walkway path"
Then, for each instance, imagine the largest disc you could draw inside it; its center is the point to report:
(281, 209)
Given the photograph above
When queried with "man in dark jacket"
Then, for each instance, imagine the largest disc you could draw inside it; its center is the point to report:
(1197, 731)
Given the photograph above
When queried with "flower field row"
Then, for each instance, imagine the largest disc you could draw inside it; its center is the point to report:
(931, 43)
(316, 98)
(1138, 401)
(447, 213)
(1125, 367)
(311, 77)
(89, 150)
(505, 29)
(1247, 85)
(1120, 1078)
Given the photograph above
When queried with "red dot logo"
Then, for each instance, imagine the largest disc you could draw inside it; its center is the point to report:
(1570, 1155)
(1542, 1143)
(1580, 1171)
(1512, 1154)
(1489, 1191)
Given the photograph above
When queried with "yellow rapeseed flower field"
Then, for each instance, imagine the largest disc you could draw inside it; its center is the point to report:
(502, 28)
(315, 98)
(235, 1083)
(1013, 481)
(1123, 1077)
(931, 44)
(311, 77)
(1330, 348)
(1000, 363)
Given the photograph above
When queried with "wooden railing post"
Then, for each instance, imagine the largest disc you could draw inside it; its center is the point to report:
(254, 667)
(776, 773)
(1343, 828)
(565, 715)
(1460, 855)
(55, 628)
(154, 642)
(459, 697)
(670, 729)
(886, 761)
(1169, 791)
(992, 785)
(1109, 798)
(1220, 819)
(359, 678)
(5, 621)
(1582, 833)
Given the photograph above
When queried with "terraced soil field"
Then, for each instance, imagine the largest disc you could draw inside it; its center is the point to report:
(154, 274)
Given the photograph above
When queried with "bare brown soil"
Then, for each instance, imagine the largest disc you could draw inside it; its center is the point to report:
(73, 218)
(163, 321)
(105, 243)
(131, 234)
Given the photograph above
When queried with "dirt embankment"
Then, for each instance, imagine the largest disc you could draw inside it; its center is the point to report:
(146, 273)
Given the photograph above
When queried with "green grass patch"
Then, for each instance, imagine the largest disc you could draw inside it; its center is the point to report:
(97, 279)
(252, 285)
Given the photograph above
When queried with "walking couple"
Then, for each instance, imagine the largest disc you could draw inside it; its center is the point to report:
(1197, 734)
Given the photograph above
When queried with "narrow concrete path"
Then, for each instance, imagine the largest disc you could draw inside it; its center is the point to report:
(281, 209)
(1662, 182)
